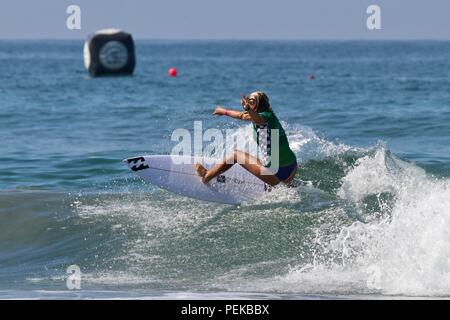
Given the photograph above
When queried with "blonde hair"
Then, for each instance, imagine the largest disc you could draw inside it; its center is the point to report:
(261, 100)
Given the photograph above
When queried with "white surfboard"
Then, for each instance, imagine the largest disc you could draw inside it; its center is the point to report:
(177, 174)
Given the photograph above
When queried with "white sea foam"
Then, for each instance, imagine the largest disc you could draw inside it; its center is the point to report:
(405, 252)
(304, 142)
(307, 144)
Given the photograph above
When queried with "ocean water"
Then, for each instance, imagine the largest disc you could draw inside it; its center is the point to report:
(370, 217)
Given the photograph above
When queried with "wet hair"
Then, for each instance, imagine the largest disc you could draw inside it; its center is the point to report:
(262, 101)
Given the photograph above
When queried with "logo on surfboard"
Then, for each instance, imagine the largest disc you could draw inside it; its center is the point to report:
(135, 162)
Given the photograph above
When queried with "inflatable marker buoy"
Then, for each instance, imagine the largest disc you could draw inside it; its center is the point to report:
(109, 52)
(173, 72)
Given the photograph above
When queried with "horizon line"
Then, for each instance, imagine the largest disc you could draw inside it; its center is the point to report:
(233, 39)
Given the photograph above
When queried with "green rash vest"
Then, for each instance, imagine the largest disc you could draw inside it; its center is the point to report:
(263, 137)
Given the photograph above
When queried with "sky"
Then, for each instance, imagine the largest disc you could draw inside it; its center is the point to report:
(228, 19)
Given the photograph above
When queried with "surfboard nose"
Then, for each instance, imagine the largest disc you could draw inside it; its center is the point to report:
(126, 162)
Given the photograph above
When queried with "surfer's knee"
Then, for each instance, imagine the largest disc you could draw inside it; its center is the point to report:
(239, 157)
(233, 157)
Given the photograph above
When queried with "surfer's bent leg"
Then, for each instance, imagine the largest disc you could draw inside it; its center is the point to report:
(255, 167)
(207, 175)
(249, 162)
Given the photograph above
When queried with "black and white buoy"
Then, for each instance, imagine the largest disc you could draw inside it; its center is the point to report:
(109, 52)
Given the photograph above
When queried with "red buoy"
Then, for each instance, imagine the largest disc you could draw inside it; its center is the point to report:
(173, 72)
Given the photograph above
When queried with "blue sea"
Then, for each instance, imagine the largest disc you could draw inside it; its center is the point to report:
(369, 218)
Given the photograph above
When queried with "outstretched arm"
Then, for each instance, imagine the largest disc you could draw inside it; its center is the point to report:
(249, 115)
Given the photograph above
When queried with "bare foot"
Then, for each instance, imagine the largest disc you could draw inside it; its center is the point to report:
(201, 170)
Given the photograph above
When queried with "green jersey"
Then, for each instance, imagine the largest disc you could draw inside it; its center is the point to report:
(263, 137)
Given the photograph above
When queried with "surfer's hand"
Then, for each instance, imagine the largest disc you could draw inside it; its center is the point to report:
(219, 111)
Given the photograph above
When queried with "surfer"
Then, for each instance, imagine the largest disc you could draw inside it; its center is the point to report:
(257, 110)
